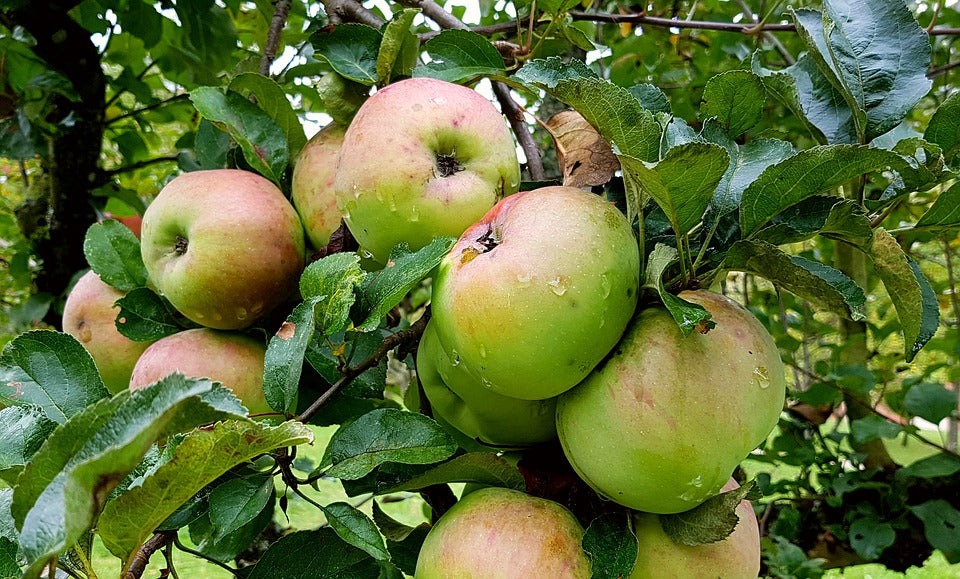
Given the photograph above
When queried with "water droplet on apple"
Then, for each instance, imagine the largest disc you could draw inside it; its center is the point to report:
(523, 279)
(218, 316)
(483, 352)
(605, 285)
(602, 321)
(414, 214)
(557, 286)
(762, 377)
(241, 313)
(486, 383)
(392, 203)
(456, 358)
(365, 254)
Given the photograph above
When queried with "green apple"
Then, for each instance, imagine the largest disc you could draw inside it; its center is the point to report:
(537, 292)
(736, 557)
(461, 400)
(224, 246)
(312, 187)
(495, 533)
(422, 158)
(662, 423)
(231, 358)
(89, 315)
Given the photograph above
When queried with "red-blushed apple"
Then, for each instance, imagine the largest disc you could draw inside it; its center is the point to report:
(89, 315)
(224, 246)
(462, 401)
(231, 358)
(133, 222)
(497, 533)
(736, 557)
(312, 187)
(537, 292)
(662, 423)
(422, 158)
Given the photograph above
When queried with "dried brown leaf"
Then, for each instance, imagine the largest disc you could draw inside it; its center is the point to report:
(585, 158)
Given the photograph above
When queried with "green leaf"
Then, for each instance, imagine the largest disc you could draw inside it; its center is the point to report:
(710, 522)
(870, 537)
(873, 427)
(146, 317)
(689, 316)
(237, 502)
(319, 554)
(356, 529)
(226, 549)
(801, 221)
(682, 194)
(651, 98)
(815, 282)
(806, 174)
(333, 280)
(398, 40)
(483, 468)
(885, 78)
(113, 251)
(931, 402)
(405, 552)
(283, 362)
(23, 429)
(273, 100)
(940, 523)
(65, 484)
(938, 465)
(557, 6)
(351, 49)
(385, 288)
(200, 458)
(848, 222)
(389, 527)
(385, 435)
(50, 370)
(611, 546)
(263, 142)
(942, 128)
(549, 72)
(341, 98)
(458, 55)
(944, 214)
(736, 98)
(912, 296)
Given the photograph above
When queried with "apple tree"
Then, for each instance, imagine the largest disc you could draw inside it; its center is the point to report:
(735, 216)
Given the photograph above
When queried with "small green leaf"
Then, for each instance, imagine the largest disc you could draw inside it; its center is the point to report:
(50, 370)
(283, 362)
(736, 98)
(931, 402)
(385, 435)
(870, 537)
(319, 554)
(356, 529)
(557, 6)
(385, 288)
(200, 458)
(938, 465)
(549, 72)
(611, 546)
(113, 251)
(689, 316)
(351, 49)
(332, 279)
(23, 429)
(458, 55)
(940, 523)
(9, 561)
(942, 128)
(944, 214)
(819, 284)
(484, 468)
(848, 222)
(146, 317)
(873, 427)
(273, 100)
(396, 44)
(710, 522)
(651, 98)
(912, 296)
(237, 502)
(682, 194)
(341, 97)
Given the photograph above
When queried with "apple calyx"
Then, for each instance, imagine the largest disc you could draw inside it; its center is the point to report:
(448, 165)
(180, 246)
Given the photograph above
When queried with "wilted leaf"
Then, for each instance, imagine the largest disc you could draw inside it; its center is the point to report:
(585, 158)
(113, 251)
(689, 316)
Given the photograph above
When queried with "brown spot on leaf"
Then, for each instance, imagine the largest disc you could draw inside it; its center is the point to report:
(585, 158)
(287, 330)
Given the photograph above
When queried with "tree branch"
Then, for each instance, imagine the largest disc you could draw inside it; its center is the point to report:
(748, 13)
(280, 13)
(389, 343)
(642, 18)
(156, 105)
(143, 554)
(350, 11)
(520, 129)
(435, 12)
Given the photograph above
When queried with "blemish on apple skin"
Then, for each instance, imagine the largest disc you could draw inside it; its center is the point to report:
(287, 330)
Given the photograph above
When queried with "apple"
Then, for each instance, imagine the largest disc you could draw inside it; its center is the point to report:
(89, 315)
(500, 533)
(313, 179)
(233, 359)
(133, 222)
(224, 246)
(461, 400)
(660, 426)
(537, 292)
(736, 557)
(422, 158)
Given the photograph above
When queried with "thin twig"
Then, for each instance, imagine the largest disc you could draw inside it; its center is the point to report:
(515, 116)
(280, 13)
(117, 94)
(642, 18)
(389, 343)
(140, 165)
(155, 105)
(938, 70)
(787, 57)
(143, 554)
